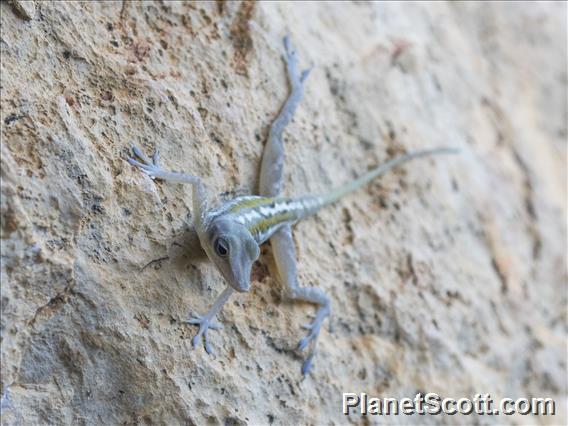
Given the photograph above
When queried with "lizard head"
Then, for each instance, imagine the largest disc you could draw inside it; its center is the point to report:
(233, 250)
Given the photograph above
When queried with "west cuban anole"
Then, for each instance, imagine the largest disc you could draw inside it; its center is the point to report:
(231, 233)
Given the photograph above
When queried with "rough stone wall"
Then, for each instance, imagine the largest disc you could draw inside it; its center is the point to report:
(446, 275)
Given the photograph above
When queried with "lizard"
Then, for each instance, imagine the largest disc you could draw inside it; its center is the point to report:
(231, 233)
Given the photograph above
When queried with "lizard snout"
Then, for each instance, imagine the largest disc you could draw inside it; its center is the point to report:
(242, 287)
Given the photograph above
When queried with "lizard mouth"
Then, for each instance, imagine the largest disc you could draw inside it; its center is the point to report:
(242, 286)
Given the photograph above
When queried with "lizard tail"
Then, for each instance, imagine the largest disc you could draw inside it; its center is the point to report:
(340, 192)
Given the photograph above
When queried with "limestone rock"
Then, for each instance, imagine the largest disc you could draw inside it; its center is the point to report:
(447, 275)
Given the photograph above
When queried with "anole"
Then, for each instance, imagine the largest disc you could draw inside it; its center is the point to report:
(231, 233)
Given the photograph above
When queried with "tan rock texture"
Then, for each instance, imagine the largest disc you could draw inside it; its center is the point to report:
(447, 275)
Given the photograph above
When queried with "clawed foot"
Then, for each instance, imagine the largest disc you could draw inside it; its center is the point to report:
(150, 167)
(311, 338)
(292, 62)
(204, 324)
(313, 333)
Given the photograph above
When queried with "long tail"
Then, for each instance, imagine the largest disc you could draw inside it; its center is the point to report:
(340, 192)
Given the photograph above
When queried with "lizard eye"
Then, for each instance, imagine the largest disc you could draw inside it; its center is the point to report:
(221, 247)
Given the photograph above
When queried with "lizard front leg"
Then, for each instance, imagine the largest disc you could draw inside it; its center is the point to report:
(285, 257)
(205, 322)
(152, 168)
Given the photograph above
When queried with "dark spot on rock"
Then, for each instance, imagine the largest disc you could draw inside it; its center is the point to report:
(216, 139)
(114, 43)
(97, 208)
(11, 118)
(392, 134)
(242, 40)
(10, 221)
(202, 112)
(141, 50)
(204, 88)
(107, 96)
(367, 144)
(220, 6)
(66, 54)
(437, 84)
(455, 185)
(205, 17)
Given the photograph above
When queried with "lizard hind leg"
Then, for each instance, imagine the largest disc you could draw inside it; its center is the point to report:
(285, 256)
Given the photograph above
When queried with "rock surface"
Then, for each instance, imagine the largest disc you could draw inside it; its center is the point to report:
(446, 276)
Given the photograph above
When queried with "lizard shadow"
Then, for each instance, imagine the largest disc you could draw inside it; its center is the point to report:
(183, 250)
